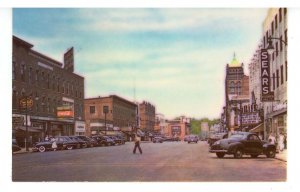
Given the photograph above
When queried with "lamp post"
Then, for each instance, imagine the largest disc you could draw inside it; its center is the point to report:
(270, 47)
(26, 103)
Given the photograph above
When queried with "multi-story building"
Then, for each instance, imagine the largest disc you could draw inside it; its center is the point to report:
(178, 128)
(111, 113)
(160, 124)
(147, 116)
(204, 130)
(47, 91)
(275, 111)
(236, 95)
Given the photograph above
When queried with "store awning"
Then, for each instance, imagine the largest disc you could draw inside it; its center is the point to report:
(257, 129)
(30, 129)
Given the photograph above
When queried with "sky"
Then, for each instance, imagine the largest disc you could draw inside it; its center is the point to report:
(173, 58)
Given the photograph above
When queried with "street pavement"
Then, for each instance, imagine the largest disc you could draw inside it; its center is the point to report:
(168, 161)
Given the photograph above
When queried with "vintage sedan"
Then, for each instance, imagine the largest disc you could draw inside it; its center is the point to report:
(157, 139)
(62, 142)
(192, 139)
(243, 143)
(215, 137)
(90, 142)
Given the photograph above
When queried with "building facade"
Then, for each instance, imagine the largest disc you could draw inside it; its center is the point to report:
(111, 113)
(236, 95)
(147, 116)
(178, 128)
(48, 92)
(160, 124)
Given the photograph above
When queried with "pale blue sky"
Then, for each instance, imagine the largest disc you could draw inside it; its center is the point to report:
(176, 58)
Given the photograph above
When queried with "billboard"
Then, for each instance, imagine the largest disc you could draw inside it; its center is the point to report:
(266, 93)
(65, 111)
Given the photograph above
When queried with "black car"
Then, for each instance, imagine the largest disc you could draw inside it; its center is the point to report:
(15, 146)
(81, 143)
(157, 139)
(62, 142)
(103, 140)
(243, 143)
(89, 141)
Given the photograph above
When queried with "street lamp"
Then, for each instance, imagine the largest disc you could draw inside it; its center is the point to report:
(270, 47)
(26, 103)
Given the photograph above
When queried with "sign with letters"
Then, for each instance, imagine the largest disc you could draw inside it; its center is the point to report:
(266, 93)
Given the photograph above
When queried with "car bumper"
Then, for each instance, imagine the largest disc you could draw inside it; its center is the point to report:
(218, 151)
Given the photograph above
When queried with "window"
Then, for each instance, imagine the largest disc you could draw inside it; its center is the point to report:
(284, 11)
(48, 81)
(281, 43)
(14, 70)
(276, 49)
(23, 72)
(37, 76)
(92, 109)
(281, 74)
(231, 87)
(280, 17)
(58, 84)
(273, 81)
(272, 27)
(277, 77)
(53, 82)
(276, 22)
(30, 75)
(285, 36)
(239, 88)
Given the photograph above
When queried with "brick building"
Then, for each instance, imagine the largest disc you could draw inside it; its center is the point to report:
(121, 115)
(53, 91)
(147, 116)
(178, 128)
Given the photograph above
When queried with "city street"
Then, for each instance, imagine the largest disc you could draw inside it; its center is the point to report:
(168, 161)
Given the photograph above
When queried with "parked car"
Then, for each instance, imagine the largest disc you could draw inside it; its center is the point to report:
(157, 140)
(243, 143)
(62, 142)
(192, 139)
(117, 140)
(15, 146)
(123, 140)
(90, 141)
(103, 140)
(215, 137)
(81, 143)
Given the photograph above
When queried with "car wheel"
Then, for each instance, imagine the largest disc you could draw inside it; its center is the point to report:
(271, 153)
(238, 153)
(78, 146)
(70, 147)
(220, 155)
(254, 156)
(42, 149)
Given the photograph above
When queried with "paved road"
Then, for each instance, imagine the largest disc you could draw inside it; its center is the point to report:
(169, 161)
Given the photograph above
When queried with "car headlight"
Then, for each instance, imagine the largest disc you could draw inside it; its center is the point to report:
(217, 143)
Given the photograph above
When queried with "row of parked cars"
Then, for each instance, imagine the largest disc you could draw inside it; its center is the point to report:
(76, 142)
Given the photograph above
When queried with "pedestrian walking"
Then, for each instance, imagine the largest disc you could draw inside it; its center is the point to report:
(54, 145)
(281, 141)
(137, 140)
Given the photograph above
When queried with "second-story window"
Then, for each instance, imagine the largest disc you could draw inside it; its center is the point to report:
(23, 72)
(92, 109)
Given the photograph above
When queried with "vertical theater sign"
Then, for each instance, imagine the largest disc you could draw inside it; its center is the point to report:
(266, 93)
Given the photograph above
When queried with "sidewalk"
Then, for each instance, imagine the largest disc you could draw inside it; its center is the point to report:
(23, 150)
(282, 155)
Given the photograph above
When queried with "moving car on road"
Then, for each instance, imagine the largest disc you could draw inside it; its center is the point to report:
(243, 143)
(192, 139)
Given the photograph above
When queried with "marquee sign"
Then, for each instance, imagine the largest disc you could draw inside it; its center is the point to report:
(251, 118)
(266, 93)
